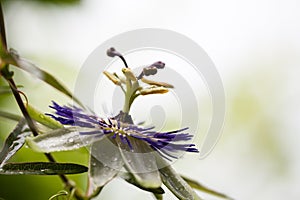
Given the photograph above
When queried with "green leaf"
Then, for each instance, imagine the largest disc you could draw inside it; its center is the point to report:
(16, 60)
(175, 183)
(63, 139)
(42, 168)
(42, 118)
(6, 89)
(199, 186)
(10, 116)
(13, 143)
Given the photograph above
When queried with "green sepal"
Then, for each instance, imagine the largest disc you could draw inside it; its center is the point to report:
(158, 196)
(175, 183)
(42, 118)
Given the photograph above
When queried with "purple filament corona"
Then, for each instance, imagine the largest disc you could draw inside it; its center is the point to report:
(167, 144)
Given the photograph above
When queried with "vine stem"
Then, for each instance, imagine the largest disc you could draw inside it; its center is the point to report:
(8, 76)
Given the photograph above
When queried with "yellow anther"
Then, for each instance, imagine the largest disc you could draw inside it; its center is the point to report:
(154, 90)
(162, 84)
(121, 78)
(129, 74)
(112, 77)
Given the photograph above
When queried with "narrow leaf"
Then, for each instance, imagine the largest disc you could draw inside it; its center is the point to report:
(199, 186)
(42, 168)
(39, 73)
(6, 89)
(42, 118)
(175, 183)
(10, 116)
(13, 143)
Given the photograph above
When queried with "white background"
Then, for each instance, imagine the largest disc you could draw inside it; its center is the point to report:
(255, 46)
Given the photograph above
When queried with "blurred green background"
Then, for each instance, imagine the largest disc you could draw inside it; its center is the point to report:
(255, 46)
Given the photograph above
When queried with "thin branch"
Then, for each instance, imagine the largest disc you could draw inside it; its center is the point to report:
(22, 106)
(8, 76)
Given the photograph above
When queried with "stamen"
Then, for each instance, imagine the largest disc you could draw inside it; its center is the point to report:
(129, 74)
(113, 78)
(163, 84)
(154, 90)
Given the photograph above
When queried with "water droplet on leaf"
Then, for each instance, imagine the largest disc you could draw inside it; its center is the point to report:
(115, 159)
(70, 140)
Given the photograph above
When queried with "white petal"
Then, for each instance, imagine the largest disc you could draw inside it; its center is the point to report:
(105, 163)
(64, 139)
(141, 163)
